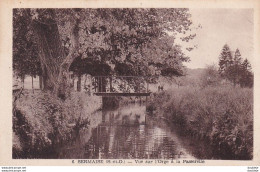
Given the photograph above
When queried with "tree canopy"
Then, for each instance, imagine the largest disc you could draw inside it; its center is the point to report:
(25, 52)
(137, 38)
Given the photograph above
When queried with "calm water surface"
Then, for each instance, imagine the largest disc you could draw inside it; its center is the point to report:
(130, 133)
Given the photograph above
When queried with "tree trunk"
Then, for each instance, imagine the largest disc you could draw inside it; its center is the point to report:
(32, 85)
(85, 80)
(50, 52)
(110, 84)
(63, 89)
(79, 83)
(40, 82)
(55, 65)
(46, 82)
(73, 82)
(23, 80)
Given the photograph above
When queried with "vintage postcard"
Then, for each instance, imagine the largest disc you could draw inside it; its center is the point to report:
(129, 83)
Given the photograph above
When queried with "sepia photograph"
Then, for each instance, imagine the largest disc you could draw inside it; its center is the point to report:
(126, 85)
(133, 83)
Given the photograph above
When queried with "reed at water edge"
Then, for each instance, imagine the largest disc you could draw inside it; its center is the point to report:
(222, 115)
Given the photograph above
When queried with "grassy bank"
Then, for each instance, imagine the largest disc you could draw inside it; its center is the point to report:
(222, 115)
(42, 122)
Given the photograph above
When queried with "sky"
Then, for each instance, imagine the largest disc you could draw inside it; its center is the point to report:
(219, 27)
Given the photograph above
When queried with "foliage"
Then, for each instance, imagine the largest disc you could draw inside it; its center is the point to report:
(210, 77)
(222, 115)
(225, 60)
(129, 35)
(234, 69)
(247, 78)
(42, 122)
(25, 52)
(135, 37)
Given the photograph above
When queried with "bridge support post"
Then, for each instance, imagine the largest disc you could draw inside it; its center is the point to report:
(146, 102)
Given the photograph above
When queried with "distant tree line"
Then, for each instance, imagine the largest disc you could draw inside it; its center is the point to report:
(234, 69)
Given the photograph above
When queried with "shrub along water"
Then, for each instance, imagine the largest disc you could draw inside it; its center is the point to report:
(42, 122)
(222, 115)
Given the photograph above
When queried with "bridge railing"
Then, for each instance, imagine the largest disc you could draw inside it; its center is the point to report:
(128, 84)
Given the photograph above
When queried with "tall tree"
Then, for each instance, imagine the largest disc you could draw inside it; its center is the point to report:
(247, 77)
(236, 71)
(55, 64)
(25, 52)
(225, 61)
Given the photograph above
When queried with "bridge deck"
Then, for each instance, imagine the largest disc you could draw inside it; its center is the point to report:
(107, 94)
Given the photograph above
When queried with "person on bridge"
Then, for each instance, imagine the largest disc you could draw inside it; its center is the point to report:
(160, 88)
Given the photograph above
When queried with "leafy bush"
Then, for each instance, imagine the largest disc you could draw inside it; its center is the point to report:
(42, 121)
(210, 77)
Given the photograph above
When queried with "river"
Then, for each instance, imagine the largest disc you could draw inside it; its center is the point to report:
(130, 133)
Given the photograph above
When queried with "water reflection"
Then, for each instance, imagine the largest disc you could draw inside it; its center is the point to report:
(127, 133)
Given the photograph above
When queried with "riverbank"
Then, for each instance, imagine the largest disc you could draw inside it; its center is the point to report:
(42, 122)
(221, 115)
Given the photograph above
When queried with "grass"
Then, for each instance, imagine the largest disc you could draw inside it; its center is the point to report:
(222, 115)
